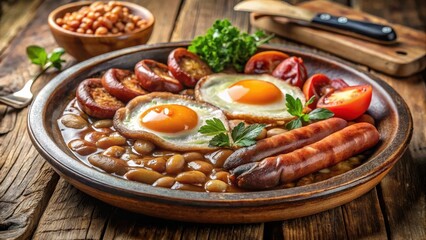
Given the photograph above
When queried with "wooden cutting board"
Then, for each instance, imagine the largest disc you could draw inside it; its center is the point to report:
(406, 57)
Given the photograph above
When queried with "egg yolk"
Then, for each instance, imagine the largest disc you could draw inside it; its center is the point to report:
(253, 91)
(169, 118)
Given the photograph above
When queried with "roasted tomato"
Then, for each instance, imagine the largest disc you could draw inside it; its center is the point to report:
(319, 85)
(155, 77)
(187, 67)
(122, 84)
(95, 100)
(264, 62)
(349, 102)
(292, 70)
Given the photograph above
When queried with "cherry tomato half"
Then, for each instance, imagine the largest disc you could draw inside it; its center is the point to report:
(313, 85)
(187, 67)
(319, 85)
(349, 102)
(264, 62)
(292, 70)
(154, 76)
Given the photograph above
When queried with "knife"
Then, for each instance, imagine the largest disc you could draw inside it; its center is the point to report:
(378, 33)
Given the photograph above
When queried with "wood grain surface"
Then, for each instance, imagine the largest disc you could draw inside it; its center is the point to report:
(35, 202)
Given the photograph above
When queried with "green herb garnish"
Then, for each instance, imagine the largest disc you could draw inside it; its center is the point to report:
(39, 56)
(224, 45)
(295, 108)
(240, 136)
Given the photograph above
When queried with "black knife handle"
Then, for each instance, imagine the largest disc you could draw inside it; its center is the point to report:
(381, 33)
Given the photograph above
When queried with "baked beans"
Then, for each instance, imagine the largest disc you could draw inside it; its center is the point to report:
(97, 143)
(102, 18)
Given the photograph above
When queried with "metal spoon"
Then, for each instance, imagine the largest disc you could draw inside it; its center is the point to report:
(23, 97)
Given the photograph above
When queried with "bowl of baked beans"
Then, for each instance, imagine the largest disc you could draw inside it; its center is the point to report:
(87, 29)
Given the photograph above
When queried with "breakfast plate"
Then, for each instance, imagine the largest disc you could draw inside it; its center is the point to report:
(391, 114)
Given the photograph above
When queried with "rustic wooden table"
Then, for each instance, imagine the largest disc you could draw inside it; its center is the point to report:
(36, 203)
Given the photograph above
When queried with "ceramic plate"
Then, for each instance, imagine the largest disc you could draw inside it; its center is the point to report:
(393, 120)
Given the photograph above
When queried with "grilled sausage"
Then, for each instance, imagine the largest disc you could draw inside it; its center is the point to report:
(288, 167)
(285, 142)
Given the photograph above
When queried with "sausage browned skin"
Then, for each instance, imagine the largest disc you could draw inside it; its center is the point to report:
(285, 142)
(288, 167)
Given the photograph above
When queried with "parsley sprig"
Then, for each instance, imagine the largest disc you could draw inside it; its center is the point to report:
(225, 45)
(295, 108)
(39, 56)
(240, 136)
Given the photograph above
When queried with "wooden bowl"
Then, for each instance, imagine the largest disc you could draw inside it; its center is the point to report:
(84, 46)
(388, 108)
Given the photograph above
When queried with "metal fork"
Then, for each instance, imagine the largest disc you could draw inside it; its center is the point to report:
(23, 97)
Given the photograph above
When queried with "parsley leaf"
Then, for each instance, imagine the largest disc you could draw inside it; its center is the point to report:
(220, 140)
(295, 108)
(39, 56)
(293, 124)
(213, 127)
(55, 58)
(245, 136)
(320, 113)
(224, 45)
(241, 136)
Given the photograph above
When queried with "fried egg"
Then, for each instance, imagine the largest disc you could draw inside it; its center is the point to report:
(253, 98)
(169, 121)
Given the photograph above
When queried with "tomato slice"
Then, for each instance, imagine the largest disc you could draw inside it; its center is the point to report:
(187, 67)
(264, 62)
(291, 70)
(313, 85)
(319, 85)
(349, 102)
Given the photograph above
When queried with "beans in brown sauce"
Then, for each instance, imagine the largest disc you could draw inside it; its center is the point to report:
(164, 182)
(93, 137)
(215, 186)
(104, 123)
(143, 175)
(129, 156)
(175, 164)
(157, 164)
(201, 166)
(192, 156)
(218, 157)
(221, 175)
(114, 151)
(82, 147)
(97, 142)
(74, 121)
(113, 139)
(187, 187)
(143, 146)
(109, 164)
(191, 177)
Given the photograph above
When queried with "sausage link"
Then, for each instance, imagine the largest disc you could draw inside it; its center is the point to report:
(288, 167)
(285, 142)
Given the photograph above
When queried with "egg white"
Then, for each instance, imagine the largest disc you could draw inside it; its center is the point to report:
(213, 90)
(182, 140)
